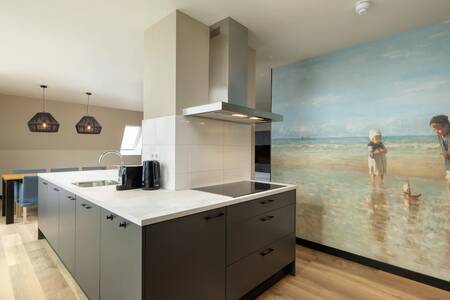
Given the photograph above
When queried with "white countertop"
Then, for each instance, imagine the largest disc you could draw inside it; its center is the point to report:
(144, 207)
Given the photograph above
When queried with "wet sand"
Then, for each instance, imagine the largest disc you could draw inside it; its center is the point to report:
(336, 206)
(406, 166)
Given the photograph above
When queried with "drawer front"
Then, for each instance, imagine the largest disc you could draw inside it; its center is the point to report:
(245, 237)
(120, 258)
(66, 238)
(246, 274)
(52, 216)
(242, 211)
(87, 248)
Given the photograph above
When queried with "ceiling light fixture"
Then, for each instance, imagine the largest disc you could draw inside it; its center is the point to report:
(239, 115)
(43, 121)
(88, 124)
(362, 7)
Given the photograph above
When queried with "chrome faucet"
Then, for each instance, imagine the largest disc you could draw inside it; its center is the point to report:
(122, 165)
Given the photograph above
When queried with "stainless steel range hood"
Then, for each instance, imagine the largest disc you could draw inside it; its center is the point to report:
(228, 78)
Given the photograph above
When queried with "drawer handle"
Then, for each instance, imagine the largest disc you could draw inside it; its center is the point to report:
(266, 218)
(83, 204)
(218, 215)
(71, 198)
(44, 183)
(55, 189)
(266, 201)
(88, 207)
(265, 252)
(110, 217)
(123, 224)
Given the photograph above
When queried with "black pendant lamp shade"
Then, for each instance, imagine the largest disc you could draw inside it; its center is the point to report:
(88, 124)
(43, 121)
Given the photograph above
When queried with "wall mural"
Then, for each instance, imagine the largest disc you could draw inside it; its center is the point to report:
(357, 140)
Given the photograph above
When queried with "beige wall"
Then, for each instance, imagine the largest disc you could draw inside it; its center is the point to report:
(159, 68)
(192, 62)
(20, 148)
(176, 65)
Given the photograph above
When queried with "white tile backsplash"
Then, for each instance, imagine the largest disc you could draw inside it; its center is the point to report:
(205, 158)
(148, 133)
(182, 158)
(237, 157)
(198, 131)
(235, 134)
(206, 178)
(197, 151)
(236, 175)
(183, 180)
(165, 130)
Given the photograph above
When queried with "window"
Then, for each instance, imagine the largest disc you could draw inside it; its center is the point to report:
(131, 141)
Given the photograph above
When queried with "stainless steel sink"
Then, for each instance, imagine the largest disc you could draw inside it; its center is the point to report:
(95, 183)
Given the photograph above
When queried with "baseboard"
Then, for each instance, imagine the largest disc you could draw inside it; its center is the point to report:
(419, 277)
(268, 283)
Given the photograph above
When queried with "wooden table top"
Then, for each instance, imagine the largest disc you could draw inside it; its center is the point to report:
(8, 177)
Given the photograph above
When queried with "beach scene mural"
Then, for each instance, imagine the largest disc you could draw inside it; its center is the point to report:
(357, 140)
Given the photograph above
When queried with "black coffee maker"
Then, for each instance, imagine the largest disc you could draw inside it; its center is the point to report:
(130, 177)
(152, 175)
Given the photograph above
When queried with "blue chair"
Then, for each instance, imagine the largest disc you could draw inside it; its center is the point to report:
(64, 169)
(28, 194)
(93, 168)
(24, 171)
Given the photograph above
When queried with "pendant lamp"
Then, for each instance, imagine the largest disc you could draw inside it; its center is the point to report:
(88, 124)
(43, 121)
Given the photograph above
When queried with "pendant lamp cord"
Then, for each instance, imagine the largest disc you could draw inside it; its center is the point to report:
(43, 99)
(87, 108)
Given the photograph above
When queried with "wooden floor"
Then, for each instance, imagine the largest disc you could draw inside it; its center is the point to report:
(29, 269)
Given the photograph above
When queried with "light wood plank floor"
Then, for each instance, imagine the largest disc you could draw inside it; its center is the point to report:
(30, 270)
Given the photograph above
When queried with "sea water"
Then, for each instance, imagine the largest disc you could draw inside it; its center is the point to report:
(337, 206)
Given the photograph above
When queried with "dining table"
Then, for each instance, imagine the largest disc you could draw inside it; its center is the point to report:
(8, 182)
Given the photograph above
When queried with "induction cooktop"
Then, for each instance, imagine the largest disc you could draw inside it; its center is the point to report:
(239, 188)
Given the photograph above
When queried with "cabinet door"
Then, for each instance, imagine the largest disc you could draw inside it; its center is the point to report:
(52, 215)
(87, 247)
(187, 253)
(120, 266)
(67, 204)
(43, 221)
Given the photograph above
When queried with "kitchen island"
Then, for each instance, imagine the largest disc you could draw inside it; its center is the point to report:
(165, 244)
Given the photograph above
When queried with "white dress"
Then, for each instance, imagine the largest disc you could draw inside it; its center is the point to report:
(377, 162)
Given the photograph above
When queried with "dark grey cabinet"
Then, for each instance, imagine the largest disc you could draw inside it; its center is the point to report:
(184, 258)
(66, 240)
(42, 206)
(51, 216)
(87, 248)
(120, 258)
(219, 254)
(248, 236)
(255, 268)
(260, 242)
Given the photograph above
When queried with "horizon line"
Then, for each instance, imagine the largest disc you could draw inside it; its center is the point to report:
(352, 136)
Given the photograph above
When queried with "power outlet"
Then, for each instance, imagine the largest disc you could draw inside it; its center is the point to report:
(154, 156)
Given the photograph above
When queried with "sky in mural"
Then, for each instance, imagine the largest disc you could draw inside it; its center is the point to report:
(395, 84)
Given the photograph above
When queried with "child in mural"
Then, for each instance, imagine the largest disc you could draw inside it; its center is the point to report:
(441, 126)
(377, 157)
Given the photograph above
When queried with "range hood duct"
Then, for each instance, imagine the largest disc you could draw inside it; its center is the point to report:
(228, 78)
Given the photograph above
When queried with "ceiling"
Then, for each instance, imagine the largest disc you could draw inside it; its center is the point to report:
(75, 46)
